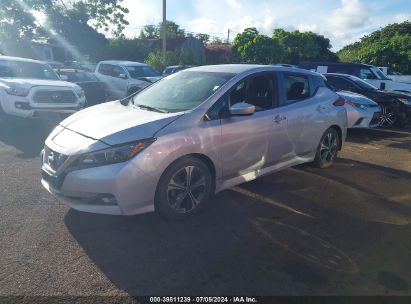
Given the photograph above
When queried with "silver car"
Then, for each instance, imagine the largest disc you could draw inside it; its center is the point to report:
(362, 112)
(170, 147)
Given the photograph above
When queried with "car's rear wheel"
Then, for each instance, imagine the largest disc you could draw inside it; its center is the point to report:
(184, 188)
(388, 116)
(327, 149)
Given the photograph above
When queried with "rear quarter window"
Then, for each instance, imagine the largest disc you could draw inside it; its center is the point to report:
(297, 87)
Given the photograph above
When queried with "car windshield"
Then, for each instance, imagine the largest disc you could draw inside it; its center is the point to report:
(380, 74)
(363, 84)
(24, 69)
(79, 76)
(181, 91)
(138, 71)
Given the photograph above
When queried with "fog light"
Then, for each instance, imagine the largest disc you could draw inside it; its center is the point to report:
(22, 105)
(104, 199)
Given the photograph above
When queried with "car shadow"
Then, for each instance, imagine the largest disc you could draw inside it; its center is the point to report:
(27, 136)
(361, 136)
(301, 231)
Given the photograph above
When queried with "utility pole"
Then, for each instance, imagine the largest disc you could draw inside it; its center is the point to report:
(164, 29)
(228, 36)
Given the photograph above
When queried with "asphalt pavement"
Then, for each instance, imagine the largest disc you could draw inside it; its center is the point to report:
(303, 231)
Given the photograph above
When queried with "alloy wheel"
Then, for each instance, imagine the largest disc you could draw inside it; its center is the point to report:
(328, 147)
(388, 117)
(186, 189)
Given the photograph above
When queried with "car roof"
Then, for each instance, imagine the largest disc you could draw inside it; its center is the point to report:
(341, 75)
(241, 68)
(11, 58)
(122, 62)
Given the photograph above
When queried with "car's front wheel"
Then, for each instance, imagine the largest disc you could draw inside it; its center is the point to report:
(388, 116)
(184, 188)
(327, 149)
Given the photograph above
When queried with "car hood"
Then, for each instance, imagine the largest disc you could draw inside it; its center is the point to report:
(356, 97)
(113, 123)
(28, 83)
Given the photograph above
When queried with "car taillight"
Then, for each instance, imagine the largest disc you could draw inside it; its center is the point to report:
(339, 102)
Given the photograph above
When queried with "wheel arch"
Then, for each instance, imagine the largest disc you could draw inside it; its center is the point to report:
(339, 131)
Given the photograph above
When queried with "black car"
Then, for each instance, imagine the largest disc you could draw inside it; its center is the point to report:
(175, 68)
(96, 91)
(395, 106)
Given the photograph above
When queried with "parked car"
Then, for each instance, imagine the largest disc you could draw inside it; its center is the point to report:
(369, 73)
(362, 112)
(174, 69)
(395, 106)
(172, 145)
(28, 87)
(396, 76)
(124, 78)
(96, 91)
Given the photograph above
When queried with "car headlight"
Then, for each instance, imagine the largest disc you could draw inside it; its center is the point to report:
(406, 101)
(117, 154)
(80, 94)
(361, 106)
(16, 91)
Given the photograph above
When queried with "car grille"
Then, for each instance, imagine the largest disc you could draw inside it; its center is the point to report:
(62, 96)
(53, 159)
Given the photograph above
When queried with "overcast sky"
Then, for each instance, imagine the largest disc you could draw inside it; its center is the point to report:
(343, 21)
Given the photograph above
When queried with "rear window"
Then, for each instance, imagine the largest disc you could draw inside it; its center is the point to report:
(296, 87)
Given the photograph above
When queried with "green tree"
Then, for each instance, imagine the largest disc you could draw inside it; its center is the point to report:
(173, 30)
(204, 38)
(390, 46)
(304, 46)
(255, 48)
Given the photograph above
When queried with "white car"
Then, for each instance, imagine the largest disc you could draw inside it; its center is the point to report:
(28, 87)
(124, 78)
(369, 73)
(362, 112)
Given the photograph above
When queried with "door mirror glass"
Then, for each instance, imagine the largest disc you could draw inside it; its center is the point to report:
(242, 108)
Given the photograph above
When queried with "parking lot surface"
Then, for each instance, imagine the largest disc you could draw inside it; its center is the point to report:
(303, 231)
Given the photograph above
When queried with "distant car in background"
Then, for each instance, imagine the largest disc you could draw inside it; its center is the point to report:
(96, 91)
(362, 112)
(396, 76)
(175, 68)
(369, 73)
(395, 106)
(29, 88)
(124, 78)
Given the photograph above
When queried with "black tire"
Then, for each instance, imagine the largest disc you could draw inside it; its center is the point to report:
(174, 199)
(388, 117)
(327, 149)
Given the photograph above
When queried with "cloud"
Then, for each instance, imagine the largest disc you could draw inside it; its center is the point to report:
(352, 14)
(203, 25)
(402, 17)
(308, 28)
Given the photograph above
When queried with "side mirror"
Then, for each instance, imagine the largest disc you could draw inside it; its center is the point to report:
(242, 108)
(122, 76)
(64, 77)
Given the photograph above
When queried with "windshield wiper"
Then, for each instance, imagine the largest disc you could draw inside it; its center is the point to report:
(151, 108)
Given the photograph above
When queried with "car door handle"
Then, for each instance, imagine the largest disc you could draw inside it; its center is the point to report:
(279, 118)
